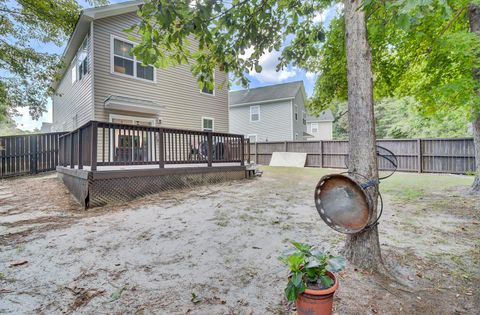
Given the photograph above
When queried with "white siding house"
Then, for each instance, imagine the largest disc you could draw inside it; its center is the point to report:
(269, 113)
(320, 126)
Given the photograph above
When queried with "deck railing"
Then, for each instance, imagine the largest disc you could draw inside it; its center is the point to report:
(102, 143)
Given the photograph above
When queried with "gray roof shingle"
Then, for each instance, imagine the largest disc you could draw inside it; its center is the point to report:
(325, 115)
(265, 93)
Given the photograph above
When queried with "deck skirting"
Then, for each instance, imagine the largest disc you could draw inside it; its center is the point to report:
(98, 188)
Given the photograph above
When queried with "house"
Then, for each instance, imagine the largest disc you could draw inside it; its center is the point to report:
(46, 127)
(320, 126)
(270, 113)
(104, 82)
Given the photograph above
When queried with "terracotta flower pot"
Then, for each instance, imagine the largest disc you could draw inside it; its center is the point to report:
(317, 302)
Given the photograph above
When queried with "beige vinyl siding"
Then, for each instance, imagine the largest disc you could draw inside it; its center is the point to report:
(275, 121)
(73, 99)
(298, 126)
(175, 88)
(325, 130)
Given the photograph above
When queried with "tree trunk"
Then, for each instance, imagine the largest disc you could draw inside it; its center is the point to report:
(474, 19)
(361, 249)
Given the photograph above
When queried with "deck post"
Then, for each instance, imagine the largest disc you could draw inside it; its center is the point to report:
(161, 161)
(248, 150)
(210, 148)
(93, 143)
(256, 152)
(242, 151)
(72, 161)
(80, 153)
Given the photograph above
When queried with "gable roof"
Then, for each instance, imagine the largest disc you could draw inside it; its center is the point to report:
(325, 115)
(83, 26)
(284, 91)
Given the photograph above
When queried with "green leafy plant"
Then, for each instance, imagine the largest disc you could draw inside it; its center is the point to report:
(308, 267)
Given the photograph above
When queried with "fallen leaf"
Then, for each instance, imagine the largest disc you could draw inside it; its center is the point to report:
(116, 295)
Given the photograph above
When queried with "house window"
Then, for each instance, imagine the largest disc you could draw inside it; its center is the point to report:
(126, 64)
(255, 113)
(304, 115)
(80, 63)
(207, 124)
(314, 127)
(74, 73)
(296, 136)
(296, 112)
(252, 138)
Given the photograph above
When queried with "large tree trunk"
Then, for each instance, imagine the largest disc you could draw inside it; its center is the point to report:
(474, 19)
(361, 249)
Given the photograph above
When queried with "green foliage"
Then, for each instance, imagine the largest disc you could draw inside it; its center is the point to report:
(419, 48)
(307, 265)
(221, 31)
(397, 118)
(27, 73)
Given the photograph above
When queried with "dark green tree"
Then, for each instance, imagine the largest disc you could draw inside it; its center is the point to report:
(26, 73)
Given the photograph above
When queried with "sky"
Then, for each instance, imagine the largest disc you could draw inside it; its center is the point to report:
(268, 76)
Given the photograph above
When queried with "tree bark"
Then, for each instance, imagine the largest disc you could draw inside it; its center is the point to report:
(361, 249)
(474, 20)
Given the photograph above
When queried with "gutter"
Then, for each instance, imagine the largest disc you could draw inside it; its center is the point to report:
(262, 102)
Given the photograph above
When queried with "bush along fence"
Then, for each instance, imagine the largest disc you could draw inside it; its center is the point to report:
(28, 154)
(456, 156)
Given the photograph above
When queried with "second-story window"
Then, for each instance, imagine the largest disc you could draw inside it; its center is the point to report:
(255, 113)
(296, 112)
(304, 116)
(80, 63)
(126, 64)
(314, 127)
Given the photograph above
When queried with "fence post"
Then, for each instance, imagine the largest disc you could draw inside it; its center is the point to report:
(80, 153)
(242, 151)
(419, 155)
(210, 148)
(161, 161)
(321, 153)
(72, 160)
(256, 152)
(94, 140)
(33, 154)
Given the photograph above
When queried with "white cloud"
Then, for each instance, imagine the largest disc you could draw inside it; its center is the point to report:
(269, 61)
(310, 75)
(320, 16)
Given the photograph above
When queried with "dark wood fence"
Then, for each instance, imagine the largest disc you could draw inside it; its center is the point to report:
(455, 156)
(105, 144)
(28, 154)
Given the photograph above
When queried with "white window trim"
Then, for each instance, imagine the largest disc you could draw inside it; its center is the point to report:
(134, 76)
(214, 88)
(311, 127)
(73, 71)
(254, 106)
(213, 123)
(295, 112)
(252, 135)
(116, 116)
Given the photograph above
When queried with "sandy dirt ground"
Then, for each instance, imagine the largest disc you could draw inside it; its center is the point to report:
(213, 250)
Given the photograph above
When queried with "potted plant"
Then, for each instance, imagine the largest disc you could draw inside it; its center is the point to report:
(311, 281)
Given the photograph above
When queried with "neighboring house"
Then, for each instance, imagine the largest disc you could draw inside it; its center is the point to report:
(321, 126)
(270, 113)
(46, 127)
(103, 81)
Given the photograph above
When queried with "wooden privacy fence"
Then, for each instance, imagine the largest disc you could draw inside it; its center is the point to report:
(28, 154)
(106, 144)
(455, 156)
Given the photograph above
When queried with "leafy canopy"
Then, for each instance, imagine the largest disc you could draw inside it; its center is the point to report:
(26, 73)
(221, 31)
(419, 48)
